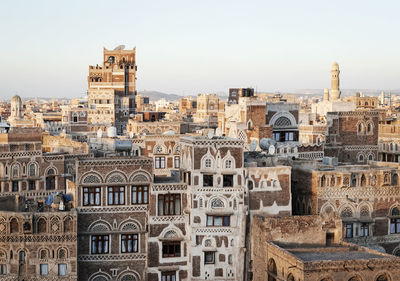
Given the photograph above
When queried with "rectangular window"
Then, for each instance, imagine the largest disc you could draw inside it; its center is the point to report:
(395, 226)
(177, 162)
(168, 276)
(208, 180)
(159, 162)
(171, 249)
(218, 220)
(209, 257)
(116, 195)
(91, 196)
(169, 204)
(100, 244)
(3, 269)
(14, 186)
(364, 230)
(31, 185)
(44, 269)
(140, 194)
(228, 180)
(349, 230)
(62, 269)
(129, 243)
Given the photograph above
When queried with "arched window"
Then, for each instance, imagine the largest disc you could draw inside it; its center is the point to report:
(395, 212)
(250, 185)
(290, 277)
(323, 181)
(360, 158)
(272, 270)
(42, 226)
(363, 180)
(43, 254)
(370, 157)
(14, 226)
(32, 170)
(50, 180)
(21, 256)
(68, 225)
(346, 213)
(382, 277)
(208, 163)
(15, 171)
(359, 128)
(282, 122)
(395, 179)
(62, 254)
(369, 128)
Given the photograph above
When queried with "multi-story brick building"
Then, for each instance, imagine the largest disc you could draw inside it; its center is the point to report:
(112, 90)
(112, 203)
(37, 243)
(365, 196)
(352, 136)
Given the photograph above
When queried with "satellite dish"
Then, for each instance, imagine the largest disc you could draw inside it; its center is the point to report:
(253, 145)
(264, 143)
(271, 150)
(131, 135)
(120, 47)
(210, 134)
(218, 132)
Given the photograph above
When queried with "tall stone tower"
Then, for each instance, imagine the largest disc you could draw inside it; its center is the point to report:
(112, 90)
(334, 93)
(16, 107)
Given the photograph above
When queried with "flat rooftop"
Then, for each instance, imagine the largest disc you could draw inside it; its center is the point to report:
(310, 253)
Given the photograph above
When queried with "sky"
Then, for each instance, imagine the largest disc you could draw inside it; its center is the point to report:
(189, 47)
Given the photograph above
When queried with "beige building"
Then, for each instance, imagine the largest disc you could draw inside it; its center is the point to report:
(112, 90)
(208, 107)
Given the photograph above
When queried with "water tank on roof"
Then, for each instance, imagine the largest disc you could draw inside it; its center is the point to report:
(169, 133)
(265, 143)
(112, 132)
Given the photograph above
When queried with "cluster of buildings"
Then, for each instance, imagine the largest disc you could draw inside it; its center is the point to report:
(256, 187)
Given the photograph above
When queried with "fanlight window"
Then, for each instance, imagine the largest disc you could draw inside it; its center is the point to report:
(364, 211)
(129, 277)
(217, 203)
(395, 212)
(91, 179)
(158, 150)
(346, 213)
(282, 122)
(382, 277)
(171, 234)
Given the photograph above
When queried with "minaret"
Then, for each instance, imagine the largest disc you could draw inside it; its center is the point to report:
(335, 91)
(16, 107)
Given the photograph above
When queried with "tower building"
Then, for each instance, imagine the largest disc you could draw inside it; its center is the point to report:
(335, 91)
(112, 90)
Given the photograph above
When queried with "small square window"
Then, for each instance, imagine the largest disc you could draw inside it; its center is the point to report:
(228, 180)
(62, 269)
(208, 180)
(209, 257)
(44, 269)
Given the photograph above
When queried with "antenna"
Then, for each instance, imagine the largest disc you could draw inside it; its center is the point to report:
(210, 134)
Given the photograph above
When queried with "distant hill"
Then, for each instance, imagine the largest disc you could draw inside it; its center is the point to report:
(155, 96)
(345, 92)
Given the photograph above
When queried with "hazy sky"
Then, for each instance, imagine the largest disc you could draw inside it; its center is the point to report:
(188, 47)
